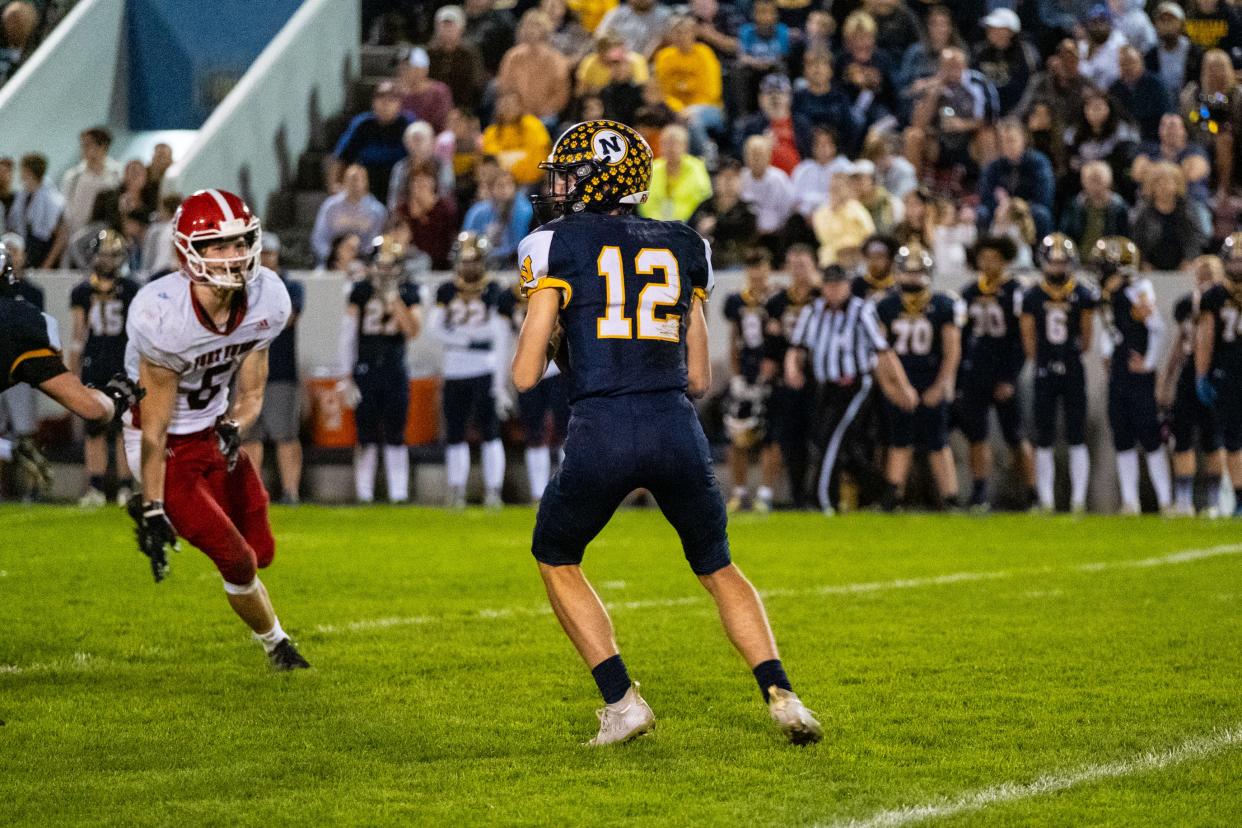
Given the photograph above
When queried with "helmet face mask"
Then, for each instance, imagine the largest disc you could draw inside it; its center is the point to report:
(218, 240)
(387, 267)
(1057, 257)
(470, 252)
(914, 266)
(108, 254)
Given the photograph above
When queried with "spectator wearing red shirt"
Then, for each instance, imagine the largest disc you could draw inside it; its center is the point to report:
(429, 216)
(421, 97)
(790, 133)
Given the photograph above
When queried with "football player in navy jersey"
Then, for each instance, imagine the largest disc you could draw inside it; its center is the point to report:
(100, 304)
(618, 300)
(1057, 327)
(543, 410)
(991, 361)
(876, 278)
(924, 329)
(469, 322)
(1192, 423)
(1218, 358)
(789, 409)
(381, 316)
(749, 387)
(30, 353)
(1133, 342)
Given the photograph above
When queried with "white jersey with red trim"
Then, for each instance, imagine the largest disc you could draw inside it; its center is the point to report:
(167, 327)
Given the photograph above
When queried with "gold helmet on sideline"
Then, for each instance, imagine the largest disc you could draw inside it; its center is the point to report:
(1231, 256)
(107, 254)
(387, 267)
(595, 166)
(470, 252)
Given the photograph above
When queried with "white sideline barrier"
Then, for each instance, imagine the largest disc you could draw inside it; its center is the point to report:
(252, 141)
(325, 303)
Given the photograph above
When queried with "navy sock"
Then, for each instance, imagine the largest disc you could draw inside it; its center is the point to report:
(979, 491)
(1237, 497)
(771, 673)
(612, 679)
(97, 482)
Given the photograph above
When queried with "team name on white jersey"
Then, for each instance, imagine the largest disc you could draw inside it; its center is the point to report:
(165, 329)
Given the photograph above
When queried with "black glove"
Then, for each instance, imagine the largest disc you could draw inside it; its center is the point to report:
(155, 534)
(124, 393)
(229, 435)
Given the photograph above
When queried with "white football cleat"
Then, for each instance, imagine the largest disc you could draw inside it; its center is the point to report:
(794, 718)
(93, 499)
(492, 501)
(624, 720)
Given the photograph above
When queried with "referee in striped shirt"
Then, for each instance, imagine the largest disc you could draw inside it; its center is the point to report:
(839, 338)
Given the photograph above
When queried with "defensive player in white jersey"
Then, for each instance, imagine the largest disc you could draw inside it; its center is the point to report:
(468, 321)
(190, 333)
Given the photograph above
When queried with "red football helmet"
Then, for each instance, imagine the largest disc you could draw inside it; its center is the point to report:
(210, 216)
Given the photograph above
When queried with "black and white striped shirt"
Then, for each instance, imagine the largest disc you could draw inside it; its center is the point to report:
(841, 343)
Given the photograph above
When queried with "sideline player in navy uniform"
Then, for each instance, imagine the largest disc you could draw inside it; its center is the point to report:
(750, 386)
(789, 410)
(99, 304)
(381, 316)
(619, 300)
(991, 361)
(1193, 424)
(1218, 359)
(1131, 348)
(468, 321)
(924, 329)
(30, 352)
(1057, 324)
(549, 399)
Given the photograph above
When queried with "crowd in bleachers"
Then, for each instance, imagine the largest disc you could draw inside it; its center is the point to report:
(776, 124)
(24, 24)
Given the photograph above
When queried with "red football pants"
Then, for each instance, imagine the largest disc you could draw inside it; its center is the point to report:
(223, 513)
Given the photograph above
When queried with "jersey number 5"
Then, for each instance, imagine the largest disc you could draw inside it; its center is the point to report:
(614, 324)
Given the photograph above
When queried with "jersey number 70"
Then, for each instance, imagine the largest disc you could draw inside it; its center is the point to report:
(614, 324)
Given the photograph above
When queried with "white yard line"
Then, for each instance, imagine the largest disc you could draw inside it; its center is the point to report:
(500, 613)
(1198, 748)
(80, 661)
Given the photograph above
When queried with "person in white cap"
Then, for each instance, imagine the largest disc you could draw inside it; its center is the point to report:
(1175, 58)
(1005, 57)
(455, 62)
(426, 99)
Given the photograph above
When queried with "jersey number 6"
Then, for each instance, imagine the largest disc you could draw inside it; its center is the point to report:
(199, 399)
(614, 324)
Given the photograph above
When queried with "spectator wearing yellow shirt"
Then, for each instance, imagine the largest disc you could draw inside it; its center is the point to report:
(690, 75)
(590, 12)
(518, 140)
(841, 225)
(595, 72)
(679, 181)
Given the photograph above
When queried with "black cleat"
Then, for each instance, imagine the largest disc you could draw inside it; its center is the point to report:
(286, 657)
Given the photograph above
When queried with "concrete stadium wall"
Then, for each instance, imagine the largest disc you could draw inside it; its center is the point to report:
(74, 80)
(251, 143)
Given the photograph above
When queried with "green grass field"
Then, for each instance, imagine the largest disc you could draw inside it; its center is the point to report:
(946, 656)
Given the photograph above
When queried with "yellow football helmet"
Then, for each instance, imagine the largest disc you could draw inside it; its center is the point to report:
(596, 166)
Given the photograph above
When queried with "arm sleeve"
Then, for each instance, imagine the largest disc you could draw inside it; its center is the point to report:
(534, 255)
(345, 147)
(40, 358)
(1156, 331)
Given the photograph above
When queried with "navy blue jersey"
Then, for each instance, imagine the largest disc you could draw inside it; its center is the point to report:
(31, 293)
(1130, 308)
(512, 306)
(991, 340)
(626, 286)
(1225, 303)
(749, 317)
(783, 311)
(916, 334)
(105, 311)
(1058, 320)
(380, 339)
(282, 356)
(29, 344)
